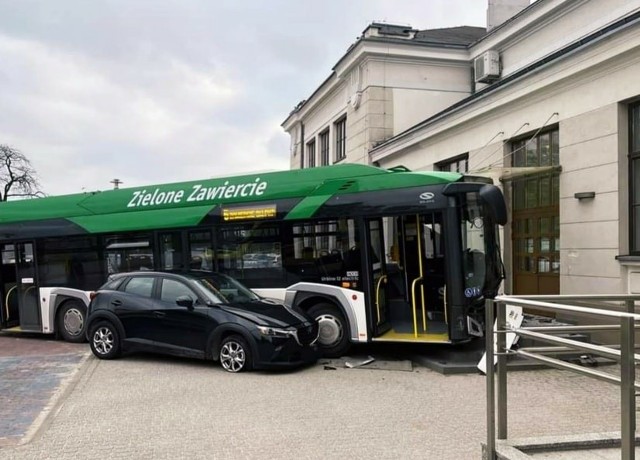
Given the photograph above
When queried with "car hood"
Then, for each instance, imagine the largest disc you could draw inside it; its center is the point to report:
(266, 312)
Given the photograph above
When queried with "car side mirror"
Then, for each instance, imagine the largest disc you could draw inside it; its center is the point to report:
(185, 301)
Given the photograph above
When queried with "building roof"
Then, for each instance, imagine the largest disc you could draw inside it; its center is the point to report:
(463, 35)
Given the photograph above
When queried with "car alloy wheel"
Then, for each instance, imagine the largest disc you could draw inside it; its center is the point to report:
(103, 340)
(232, 356)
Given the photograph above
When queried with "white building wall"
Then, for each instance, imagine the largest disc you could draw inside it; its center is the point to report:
(592, 152)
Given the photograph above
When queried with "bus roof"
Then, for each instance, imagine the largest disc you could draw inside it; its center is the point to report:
(187, 203)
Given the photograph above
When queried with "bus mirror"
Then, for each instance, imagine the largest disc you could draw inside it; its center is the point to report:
(493, 198)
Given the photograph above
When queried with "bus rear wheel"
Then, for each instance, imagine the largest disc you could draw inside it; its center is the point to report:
(71, 321)
(333, 330)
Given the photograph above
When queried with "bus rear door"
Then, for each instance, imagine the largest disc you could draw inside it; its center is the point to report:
(21, 306)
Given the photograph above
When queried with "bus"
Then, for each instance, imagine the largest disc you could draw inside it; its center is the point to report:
(373, 254)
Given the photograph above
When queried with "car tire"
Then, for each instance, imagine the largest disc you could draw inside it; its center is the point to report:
(235, 354)
(104, 340)
(333, 330)
(71, 321)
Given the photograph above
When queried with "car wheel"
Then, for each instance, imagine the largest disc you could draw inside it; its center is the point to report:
(235, 354)
(104, 340)
(71, 321)
(333, 331)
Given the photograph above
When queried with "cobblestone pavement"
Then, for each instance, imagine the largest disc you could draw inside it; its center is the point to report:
(33, 372)
(149, 407)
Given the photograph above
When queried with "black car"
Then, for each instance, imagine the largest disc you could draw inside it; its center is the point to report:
(198, 314)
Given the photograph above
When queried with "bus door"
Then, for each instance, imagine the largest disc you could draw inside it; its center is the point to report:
(421, 257)
(378, 274)
(19, 285)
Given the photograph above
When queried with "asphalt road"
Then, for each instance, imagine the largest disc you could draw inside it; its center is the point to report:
(145, 406)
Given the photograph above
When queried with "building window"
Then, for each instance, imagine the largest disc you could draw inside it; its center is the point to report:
(634, 178)
(324, 147)
(311, 154)
(459, 164)
(341, 139)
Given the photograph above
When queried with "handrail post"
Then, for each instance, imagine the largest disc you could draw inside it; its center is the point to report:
(491, 395)
(627, 385)
(501, 350)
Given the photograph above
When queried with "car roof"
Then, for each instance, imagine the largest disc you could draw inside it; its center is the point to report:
(190, 274)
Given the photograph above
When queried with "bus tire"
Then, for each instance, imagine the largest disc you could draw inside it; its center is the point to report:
(333, 330)
(104, 340)
(71, 321)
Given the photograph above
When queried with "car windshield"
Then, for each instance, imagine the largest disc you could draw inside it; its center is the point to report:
(223, 288)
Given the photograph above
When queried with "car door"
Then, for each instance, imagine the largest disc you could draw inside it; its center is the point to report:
(133, 303)
(182, 330)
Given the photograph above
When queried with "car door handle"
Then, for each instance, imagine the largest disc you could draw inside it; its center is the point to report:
(159, 314)
(116, 303)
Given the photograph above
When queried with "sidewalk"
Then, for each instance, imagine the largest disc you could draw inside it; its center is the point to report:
(33, 372)
(154, 407)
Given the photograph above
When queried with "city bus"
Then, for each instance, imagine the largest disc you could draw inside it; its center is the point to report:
(373, 254)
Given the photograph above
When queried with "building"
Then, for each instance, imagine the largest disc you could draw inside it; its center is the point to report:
(546, 101)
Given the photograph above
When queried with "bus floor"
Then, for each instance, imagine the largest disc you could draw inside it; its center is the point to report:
(403, 331)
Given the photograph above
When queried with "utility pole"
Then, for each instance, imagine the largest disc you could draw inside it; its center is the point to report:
(116, 183)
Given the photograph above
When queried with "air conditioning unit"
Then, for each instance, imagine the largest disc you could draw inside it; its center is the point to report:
(487, 67)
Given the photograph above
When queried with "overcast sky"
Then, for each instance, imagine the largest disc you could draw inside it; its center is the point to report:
(155, 91)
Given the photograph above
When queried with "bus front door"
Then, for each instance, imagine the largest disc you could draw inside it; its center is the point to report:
(378, 276)
(26, 287)
(421, 258)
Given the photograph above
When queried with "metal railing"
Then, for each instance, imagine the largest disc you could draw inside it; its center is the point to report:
(592, 305)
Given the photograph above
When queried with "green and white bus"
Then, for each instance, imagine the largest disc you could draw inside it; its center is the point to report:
(373, 254)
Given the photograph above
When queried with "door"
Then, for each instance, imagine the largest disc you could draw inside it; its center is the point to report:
(536, 217)
(181, 330)
(377, 266)
(134, 305)
(422, 257)
(536, 253)
(10, 312)
(27, 287)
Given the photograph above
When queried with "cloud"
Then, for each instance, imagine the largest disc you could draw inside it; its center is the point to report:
(153, 92)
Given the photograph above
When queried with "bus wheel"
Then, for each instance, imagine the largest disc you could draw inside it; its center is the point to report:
(333, 330)
(71, 321)
(104, 340)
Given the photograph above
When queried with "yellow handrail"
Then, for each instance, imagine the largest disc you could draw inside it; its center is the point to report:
(382, 278)
(6, 301)
(413, 304)
(424, 315)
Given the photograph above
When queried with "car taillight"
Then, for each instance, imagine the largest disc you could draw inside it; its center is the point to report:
(92, 295)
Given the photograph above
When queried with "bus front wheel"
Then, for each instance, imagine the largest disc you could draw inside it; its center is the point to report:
(333, 331)
(71, 321)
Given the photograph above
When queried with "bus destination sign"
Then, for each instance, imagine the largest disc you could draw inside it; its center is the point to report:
(249, 212)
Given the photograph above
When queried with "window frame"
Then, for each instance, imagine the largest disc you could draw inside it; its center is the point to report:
(633, 177)
(310, 151)
(445, 165)
(340, 130)
(323, 138)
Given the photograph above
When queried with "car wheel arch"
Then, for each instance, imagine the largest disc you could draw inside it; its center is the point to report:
(222, 331)
(106, 315)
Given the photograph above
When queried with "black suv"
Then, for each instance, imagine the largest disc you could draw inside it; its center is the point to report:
(198, 314)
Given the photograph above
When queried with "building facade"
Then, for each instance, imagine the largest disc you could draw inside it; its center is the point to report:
(547, 103)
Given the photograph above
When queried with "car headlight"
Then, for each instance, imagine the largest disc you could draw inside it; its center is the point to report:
(275, 332)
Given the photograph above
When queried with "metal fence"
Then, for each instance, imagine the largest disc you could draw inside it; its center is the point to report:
(618, 309)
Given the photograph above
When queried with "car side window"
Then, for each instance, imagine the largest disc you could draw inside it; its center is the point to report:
(142, 286)
(172, 289)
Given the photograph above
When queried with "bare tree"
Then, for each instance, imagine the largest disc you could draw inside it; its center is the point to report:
(17, 176)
